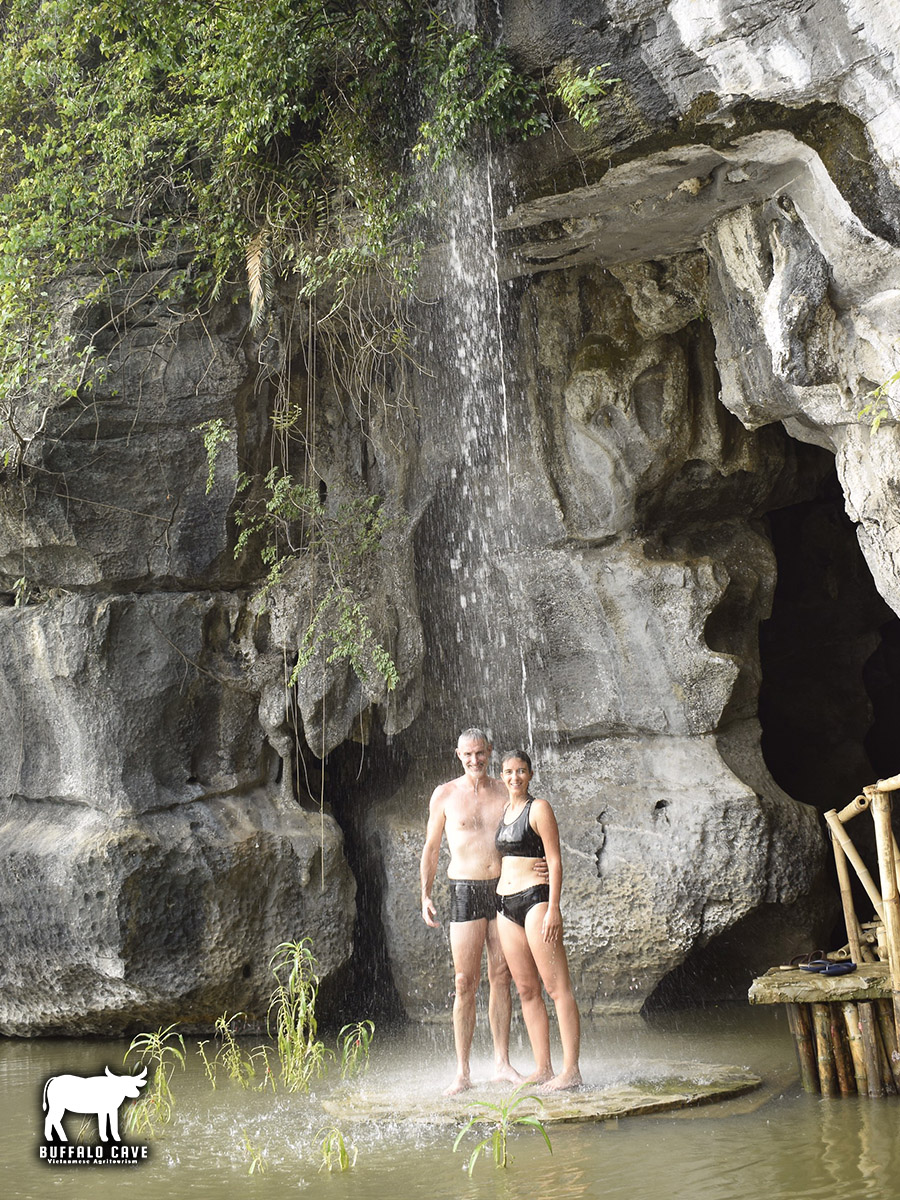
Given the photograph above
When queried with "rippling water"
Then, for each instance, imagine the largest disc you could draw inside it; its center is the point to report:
(777, 1143)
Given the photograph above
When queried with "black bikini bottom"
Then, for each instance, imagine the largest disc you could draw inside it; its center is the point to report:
(518, 904)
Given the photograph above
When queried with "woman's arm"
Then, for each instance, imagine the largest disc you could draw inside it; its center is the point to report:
(543, 822)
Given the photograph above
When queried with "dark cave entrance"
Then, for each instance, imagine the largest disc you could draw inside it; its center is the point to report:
(354, 772)
(829, 703)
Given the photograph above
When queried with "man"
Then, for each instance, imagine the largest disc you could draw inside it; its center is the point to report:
(468, 810)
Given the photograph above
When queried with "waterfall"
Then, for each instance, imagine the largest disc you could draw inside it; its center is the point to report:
(483, 661)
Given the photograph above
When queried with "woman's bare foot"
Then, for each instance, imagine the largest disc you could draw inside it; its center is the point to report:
(460, 1084)
(564, 1081)
(507, 1073)
(540, 1076)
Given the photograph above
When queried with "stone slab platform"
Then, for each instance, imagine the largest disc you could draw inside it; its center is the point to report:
(679, 1085)
(790, 985)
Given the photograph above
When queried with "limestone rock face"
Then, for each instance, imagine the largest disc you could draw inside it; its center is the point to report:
(738, 263)
(153, 851)
(139, 828)
(640, 342)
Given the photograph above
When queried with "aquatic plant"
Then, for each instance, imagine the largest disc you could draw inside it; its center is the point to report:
(292, 1015)
(335, 1155)
(505, 1118)
(354, 1042)
(164, 1050)
(238, 1064)
(293, 1025)
(257, 1156)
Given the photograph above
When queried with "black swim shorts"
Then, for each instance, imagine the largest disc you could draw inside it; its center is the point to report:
(473, 899)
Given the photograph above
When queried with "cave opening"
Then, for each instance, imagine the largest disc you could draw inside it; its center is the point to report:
(355, 772)
(830, 653)
(829, 705)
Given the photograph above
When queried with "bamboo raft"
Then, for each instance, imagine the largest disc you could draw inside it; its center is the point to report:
(846, 1028)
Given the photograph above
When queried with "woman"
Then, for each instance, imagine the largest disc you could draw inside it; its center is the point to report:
(530, 924)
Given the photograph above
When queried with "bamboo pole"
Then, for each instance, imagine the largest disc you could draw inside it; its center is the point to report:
(845, 1075)
(884, 1059)
(854, 1038)
(843, 874)
(874, 1086)
(881, 811)
(853, 855)
(868, 954)
(824, 1052)
(892, 784)
(883, 786)
(798, 1022)
(885, 1013)
(853, 809)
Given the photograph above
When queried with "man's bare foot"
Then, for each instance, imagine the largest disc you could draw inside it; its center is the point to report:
(564, 1081)
(460, 1084)
(507, 1073)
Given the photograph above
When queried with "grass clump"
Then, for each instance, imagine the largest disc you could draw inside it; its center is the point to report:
(164, 1051)
(505, 1118)
(335, 1154)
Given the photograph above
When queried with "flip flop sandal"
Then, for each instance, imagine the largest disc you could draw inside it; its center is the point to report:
(839, 968)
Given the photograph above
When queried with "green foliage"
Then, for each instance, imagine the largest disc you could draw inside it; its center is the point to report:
(470, 85)
(354, 1042)
(292, 1015)
(21, 592)
(164, 1050)
(219, 142)
(273, 135)
(580, 91)
(878, 408)
(248, 1068)
(293, 1025)
(292, 518)
(215, 434)
(256, 1155)
(335, 1155)
(505, 1118)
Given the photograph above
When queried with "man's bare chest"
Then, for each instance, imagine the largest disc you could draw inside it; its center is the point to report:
(471, 820)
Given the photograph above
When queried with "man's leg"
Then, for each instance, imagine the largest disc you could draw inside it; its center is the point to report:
(499, 1005)
(466, 946)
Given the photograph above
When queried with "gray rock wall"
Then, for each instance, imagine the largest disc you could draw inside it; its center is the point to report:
(153, 853)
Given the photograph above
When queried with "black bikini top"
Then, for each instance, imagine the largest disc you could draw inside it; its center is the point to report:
(518, 839)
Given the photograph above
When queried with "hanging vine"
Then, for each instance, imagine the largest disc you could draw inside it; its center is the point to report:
(265, 150)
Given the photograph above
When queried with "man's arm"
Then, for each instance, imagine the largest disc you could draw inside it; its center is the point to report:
(430, 854)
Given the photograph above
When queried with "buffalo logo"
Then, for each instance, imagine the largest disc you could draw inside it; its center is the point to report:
(100, 1094)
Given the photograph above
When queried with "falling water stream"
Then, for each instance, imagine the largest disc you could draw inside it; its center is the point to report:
(482, 637)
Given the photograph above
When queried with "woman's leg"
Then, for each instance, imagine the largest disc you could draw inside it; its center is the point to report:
(553, 967)
(528, 984)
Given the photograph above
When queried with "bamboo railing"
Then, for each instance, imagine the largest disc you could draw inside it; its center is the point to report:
(861, 1052)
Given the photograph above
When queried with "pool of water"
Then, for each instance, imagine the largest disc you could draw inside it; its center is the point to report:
(776, 1143)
